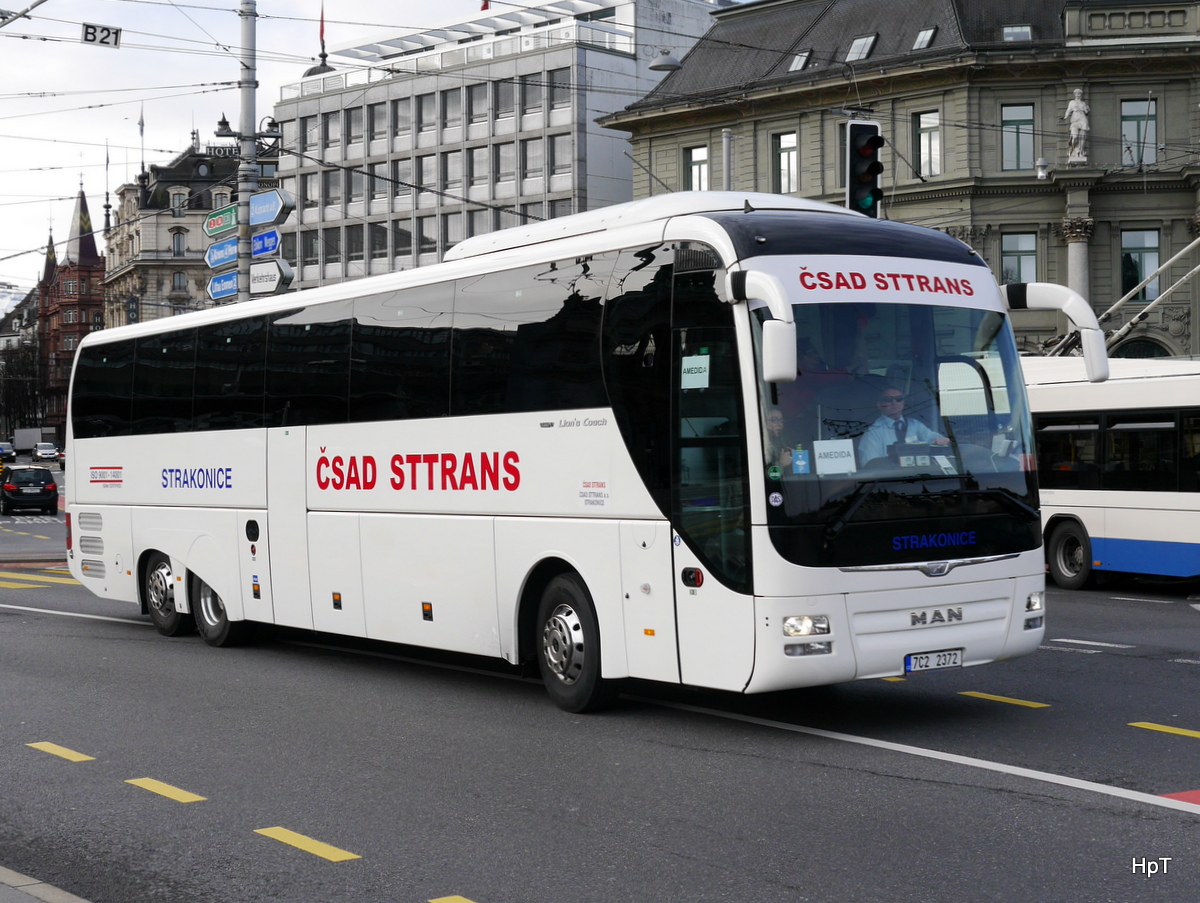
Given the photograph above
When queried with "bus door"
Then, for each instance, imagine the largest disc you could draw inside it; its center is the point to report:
(254, 566)
(714, 605)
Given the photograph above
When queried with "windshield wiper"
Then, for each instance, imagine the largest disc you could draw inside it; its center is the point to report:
(836, 523)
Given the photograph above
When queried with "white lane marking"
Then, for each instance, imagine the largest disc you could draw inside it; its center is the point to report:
(1070, 649)
(1044, 777)
(1093, 643)
(1136, 599)
(72, 614)
(1184, 661)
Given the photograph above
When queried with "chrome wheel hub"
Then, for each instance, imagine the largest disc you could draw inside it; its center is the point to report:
(562, 644)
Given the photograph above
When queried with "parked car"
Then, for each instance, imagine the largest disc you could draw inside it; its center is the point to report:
(45, 451)
(7, 452)
(27, 486)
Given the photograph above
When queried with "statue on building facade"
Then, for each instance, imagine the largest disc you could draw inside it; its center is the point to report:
(1076, 118)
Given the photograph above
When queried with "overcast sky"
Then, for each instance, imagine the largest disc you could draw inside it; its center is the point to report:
(63, 101)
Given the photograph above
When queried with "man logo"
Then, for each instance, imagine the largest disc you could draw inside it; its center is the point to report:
(934, 616)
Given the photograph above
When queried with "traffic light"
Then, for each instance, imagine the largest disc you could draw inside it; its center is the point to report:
(863, 168)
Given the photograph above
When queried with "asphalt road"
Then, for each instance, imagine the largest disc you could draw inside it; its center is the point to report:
(358, 774)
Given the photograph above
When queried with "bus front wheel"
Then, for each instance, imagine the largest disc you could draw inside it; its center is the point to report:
(1070, 555)
(212, 621)
(569, 647)
(158, 589)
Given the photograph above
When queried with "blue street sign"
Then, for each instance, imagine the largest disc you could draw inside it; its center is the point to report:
(264, 243)
(220, 253)
(270, 207)
(224, 285)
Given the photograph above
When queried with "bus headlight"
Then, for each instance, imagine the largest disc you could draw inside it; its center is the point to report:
(808, 649)
(1035, 601)
(805, 625)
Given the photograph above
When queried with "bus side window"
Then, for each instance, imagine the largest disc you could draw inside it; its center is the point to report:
(308, 366)
(102, 389)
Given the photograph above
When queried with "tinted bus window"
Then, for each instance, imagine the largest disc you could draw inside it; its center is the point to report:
(308, 366)
(400, 368)
(162, 383)
(230, 367)
(103, 387)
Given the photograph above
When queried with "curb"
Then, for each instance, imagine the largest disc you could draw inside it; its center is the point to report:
(18, 888)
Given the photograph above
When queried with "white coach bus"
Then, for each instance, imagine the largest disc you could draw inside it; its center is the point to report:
(622, 444)
(1118, 467)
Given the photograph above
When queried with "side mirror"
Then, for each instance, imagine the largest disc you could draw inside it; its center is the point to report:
(778, 351)
(1048, 296)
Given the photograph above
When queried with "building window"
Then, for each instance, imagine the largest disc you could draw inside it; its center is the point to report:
(1139, 132)
(402, 116)
(1017, 33)
(220, 199)
(354, 125)
(377, 121)
(531, 93)
(331, 180)
(477, 108)
(354, 241)
(560, 207)
(927, 134)
(331, 129)
(178, 203)
(427, 234)
(533, 158)
(924, 38)
(479, 166)
(427, 173)
(786, 152)
(1018, 257)
(504, 104)
(1139, 258)
(560, 88)
(309, 244)
(179, 282)
(560, 154)
(331, 242)
(401, 238)
(452, 170)
(178, 244)
(426, 112)
(479, 222)
(1016, 136)
(452, 229)
(451, 108)
(357, 181)
(506, 162)
(402, 177)
(861, 48)
(377, 236)
(379, 181)
(695, 168)
(308, 132)
(310, 189)
(799, 61)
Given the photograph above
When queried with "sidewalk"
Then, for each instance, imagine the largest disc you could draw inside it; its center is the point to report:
(17, 888)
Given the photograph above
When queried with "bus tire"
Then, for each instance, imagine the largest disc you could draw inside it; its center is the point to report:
(568, 638)
(1070, 555)
(158, 589)
(212, 621)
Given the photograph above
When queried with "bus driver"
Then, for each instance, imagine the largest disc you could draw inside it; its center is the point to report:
(893, 427)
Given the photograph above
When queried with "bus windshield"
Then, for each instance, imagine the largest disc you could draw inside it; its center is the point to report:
(905, 437)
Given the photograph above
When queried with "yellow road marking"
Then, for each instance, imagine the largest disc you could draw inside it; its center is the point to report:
(39, 577)
(1009, 700)
(894, 680)
(324, 850)
(455, 899)
(55, 750)
(180, 796)
(9, 585)
(1166, 729)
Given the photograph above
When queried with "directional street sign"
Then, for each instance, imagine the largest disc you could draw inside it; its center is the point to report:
(221, 220)
(264, 244)
(269, 276)
(224, 285)
(221, 253)
(270, 207)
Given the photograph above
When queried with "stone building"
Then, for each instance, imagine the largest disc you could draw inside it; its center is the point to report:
(1058, 139)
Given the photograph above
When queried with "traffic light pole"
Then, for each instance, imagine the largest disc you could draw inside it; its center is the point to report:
(247, 182)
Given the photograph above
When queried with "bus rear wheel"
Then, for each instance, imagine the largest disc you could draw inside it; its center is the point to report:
(212, 621)
(1070, 555)
(569, 647)
(158, 589)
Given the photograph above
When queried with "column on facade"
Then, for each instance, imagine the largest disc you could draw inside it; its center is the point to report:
(1077, 230)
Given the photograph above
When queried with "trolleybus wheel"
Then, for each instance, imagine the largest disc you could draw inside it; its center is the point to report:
(158, 588)
(1070, 555)
(569, 647)
(212, 621)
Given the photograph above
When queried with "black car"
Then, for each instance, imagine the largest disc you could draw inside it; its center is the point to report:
(7, 452)
(27, 486)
